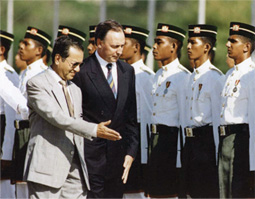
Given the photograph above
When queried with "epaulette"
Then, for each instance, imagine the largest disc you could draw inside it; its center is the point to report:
(147, 70)
(43, 66)
(216, 69)
(9, 69)
(252, 65)
(183, 69)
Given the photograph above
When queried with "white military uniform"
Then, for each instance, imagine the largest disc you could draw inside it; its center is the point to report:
(31, 70)
(168, 96)
(238, 107)
(203, 98)
(143, 80)
(143, 84)
(8, 74)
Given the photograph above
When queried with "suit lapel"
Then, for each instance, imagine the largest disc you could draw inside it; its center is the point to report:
(99, 81)
(122, 89)
(56, 91)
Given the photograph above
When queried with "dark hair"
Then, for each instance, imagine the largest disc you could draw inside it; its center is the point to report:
(247, 40)
(211, 41)
(48, 53)
(104, 27)
(62, 46)
(7, 46)
(141, 43)
(39, 44)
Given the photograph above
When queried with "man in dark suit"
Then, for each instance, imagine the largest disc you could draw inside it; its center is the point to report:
(55, 165)
(108, 91)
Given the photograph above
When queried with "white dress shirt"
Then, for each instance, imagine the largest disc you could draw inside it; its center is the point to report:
(143, 82)
(103, 64)
(31, 70)
(203, 98)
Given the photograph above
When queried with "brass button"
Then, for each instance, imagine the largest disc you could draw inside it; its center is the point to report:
(154, 114)
(155, 104)
(191, 118)
(192, 98)
(156, 94)
(190, 108)
(221, 116)
(193, 88)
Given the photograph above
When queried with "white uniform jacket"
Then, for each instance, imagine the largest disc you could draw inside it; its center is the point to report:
(168, 95)
(237, 100)
(31, 70)
(143, 80)
(7, 110)
(203, 98)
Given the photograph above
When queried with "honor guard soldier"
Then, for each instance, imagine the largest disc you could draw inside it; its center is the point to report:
(32, 49)
(92, 45)
(168, 98)
(73, 33)
(199, 169)
(7, 118)
(237, 136)
(135, 39)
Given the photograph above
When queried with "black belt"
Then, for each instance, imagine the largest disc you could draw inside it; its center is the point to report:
(21, 124)
(225, 130)
(160, 128)
(197, 131)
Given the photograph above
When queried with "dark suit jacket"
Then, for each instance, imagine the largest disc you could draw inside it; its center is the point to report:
(104, 157)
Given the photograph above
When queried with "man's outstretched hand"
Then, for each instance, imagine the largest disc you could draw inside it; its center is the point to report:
(104, 132)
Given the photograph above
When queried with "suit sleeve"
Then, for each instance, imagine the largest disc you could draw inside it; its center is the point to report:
(41, 101)
(131, 125)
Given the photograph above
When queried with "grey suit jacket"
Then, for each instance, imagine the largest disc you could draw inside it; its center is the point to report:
(54, 134)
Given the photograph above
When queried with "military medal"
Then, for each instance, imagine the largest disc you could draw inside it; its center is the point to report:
(167, 85)
(199, 89)
(236, 83)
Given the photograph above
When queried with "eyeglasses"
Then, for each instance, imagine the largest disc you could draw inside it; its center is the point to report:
(74, 65)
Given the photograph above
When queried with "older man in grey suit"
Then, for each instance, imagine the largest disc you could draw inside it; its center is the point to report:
(54, 165)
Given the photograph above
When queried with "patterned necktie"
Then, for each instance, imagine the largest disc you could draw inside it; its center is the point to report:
(110, 79)
(68, 98)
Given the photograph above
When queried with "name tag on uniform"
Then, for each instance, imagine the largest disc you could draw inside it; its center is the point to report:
(189, 132)
(154, 128)
(222, 131)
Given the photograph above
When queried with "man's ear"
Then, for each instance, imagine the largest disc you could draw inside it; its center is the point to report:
(137, 47)
(247, 47)
(173, 47)
(57, 59)
(2, 50)
(207, 48)
(99, 43)
(39, 50)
